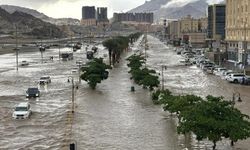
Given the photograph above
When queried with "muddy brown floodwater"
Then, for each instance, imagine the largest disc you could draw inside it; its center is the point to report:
(110, 117)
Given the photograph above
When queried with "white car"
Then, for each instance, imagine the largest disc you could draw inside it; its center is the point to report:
(219, 71)
(22, 111)
(24, 63)
(226, 74)
(235, 77)
(45, 80)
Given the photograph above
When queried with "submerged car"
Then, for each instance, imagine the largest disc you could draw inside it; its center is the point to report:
(32, 92)
(24, 63)
(45, 80)
(22, 111)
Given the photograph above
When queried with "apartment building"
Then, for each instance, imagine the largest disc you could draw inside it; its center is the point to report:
(238, 30)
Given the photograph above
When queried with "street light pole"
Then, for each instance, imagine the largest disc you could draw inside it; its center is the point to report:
(59, 52)
(244, 49)
(72, 95)
(162, 76)
(145, 56)
(16, 49)
(220, 51)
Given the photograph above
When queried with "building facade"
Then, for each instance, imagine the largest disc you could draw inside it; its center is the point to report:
(216, 22)
(134, 17)
(102, 16)
(238, 31)
(88, 15)
(189, 30)
(88, 12)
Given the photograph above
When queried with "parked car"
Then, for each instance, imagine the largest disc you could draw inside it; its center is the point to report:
(32, 92)
(22, 111)
(235, 77)
(45, 80)
(226, 74)
(219, 71)
(24, 63)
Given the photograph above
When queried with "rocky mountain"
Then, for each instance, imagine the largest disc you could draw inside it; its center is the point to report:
(172, 9)
(150, 6)
(27, 25)
(60, 21)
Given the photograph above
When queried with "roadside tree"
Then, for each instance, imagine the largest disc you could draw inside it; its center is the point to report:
(94, 72)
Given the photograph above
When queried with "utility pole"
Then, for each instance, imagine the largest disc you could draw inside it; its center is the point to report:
(245, 48)
(42, 49)
(72, 42)
(16, 49)
(145, 50)
(163, 67)
(72, 94)
(59, 52)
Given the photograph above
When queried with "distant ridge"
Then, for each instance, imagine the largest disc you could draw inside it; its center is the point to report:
(27, 25)
(60, 21)
(170, 9)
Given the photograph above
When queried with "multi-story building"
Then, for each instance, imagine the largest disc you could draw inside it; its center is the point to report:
(216, 22)
(102, 14)
(190, 30)
(88, 15)
(134, 17)
(238, 30)
(174, 29)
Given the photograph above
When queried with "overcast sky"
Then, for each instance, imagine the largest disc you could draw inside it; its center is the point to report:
(72, 8)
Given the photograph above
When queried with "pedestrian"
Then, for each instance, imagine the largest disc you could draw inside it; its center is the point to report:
(243, 80)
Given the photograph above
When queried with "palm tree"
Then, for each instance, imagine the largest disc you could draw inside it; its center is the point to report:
(110, 45)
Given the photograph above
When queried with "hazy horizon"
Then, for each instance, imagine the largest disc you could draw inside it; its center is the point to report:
(72, 8)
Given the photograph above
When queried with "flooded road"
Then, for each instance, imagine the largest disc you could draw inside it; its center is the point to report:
(110, 117)
(47, 128)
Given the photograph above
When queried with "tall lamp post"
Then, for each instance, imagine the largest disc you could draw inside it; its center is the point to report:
(163, 67)
(72, 94)
(146, 48)
(59, 52)
(16, 49)
(220, 51)
(244, 48)
(42, 49)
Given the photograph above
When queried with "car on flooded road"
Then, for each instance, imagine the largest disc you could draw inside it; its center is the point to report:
(32, 92)
(24, 63)
(45, 80)
(22, 111)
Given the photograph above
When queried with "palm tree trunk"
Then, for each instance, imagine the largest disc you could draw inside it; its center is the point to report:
(110, 58)
(214, 146)
(113, 58)
(232, 143)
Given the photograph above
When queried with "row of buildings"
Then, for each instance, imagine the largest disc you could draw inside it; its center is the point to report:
(92, 16)
(189, 30)
(99, 16)
(146, 18)
(225, 30)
